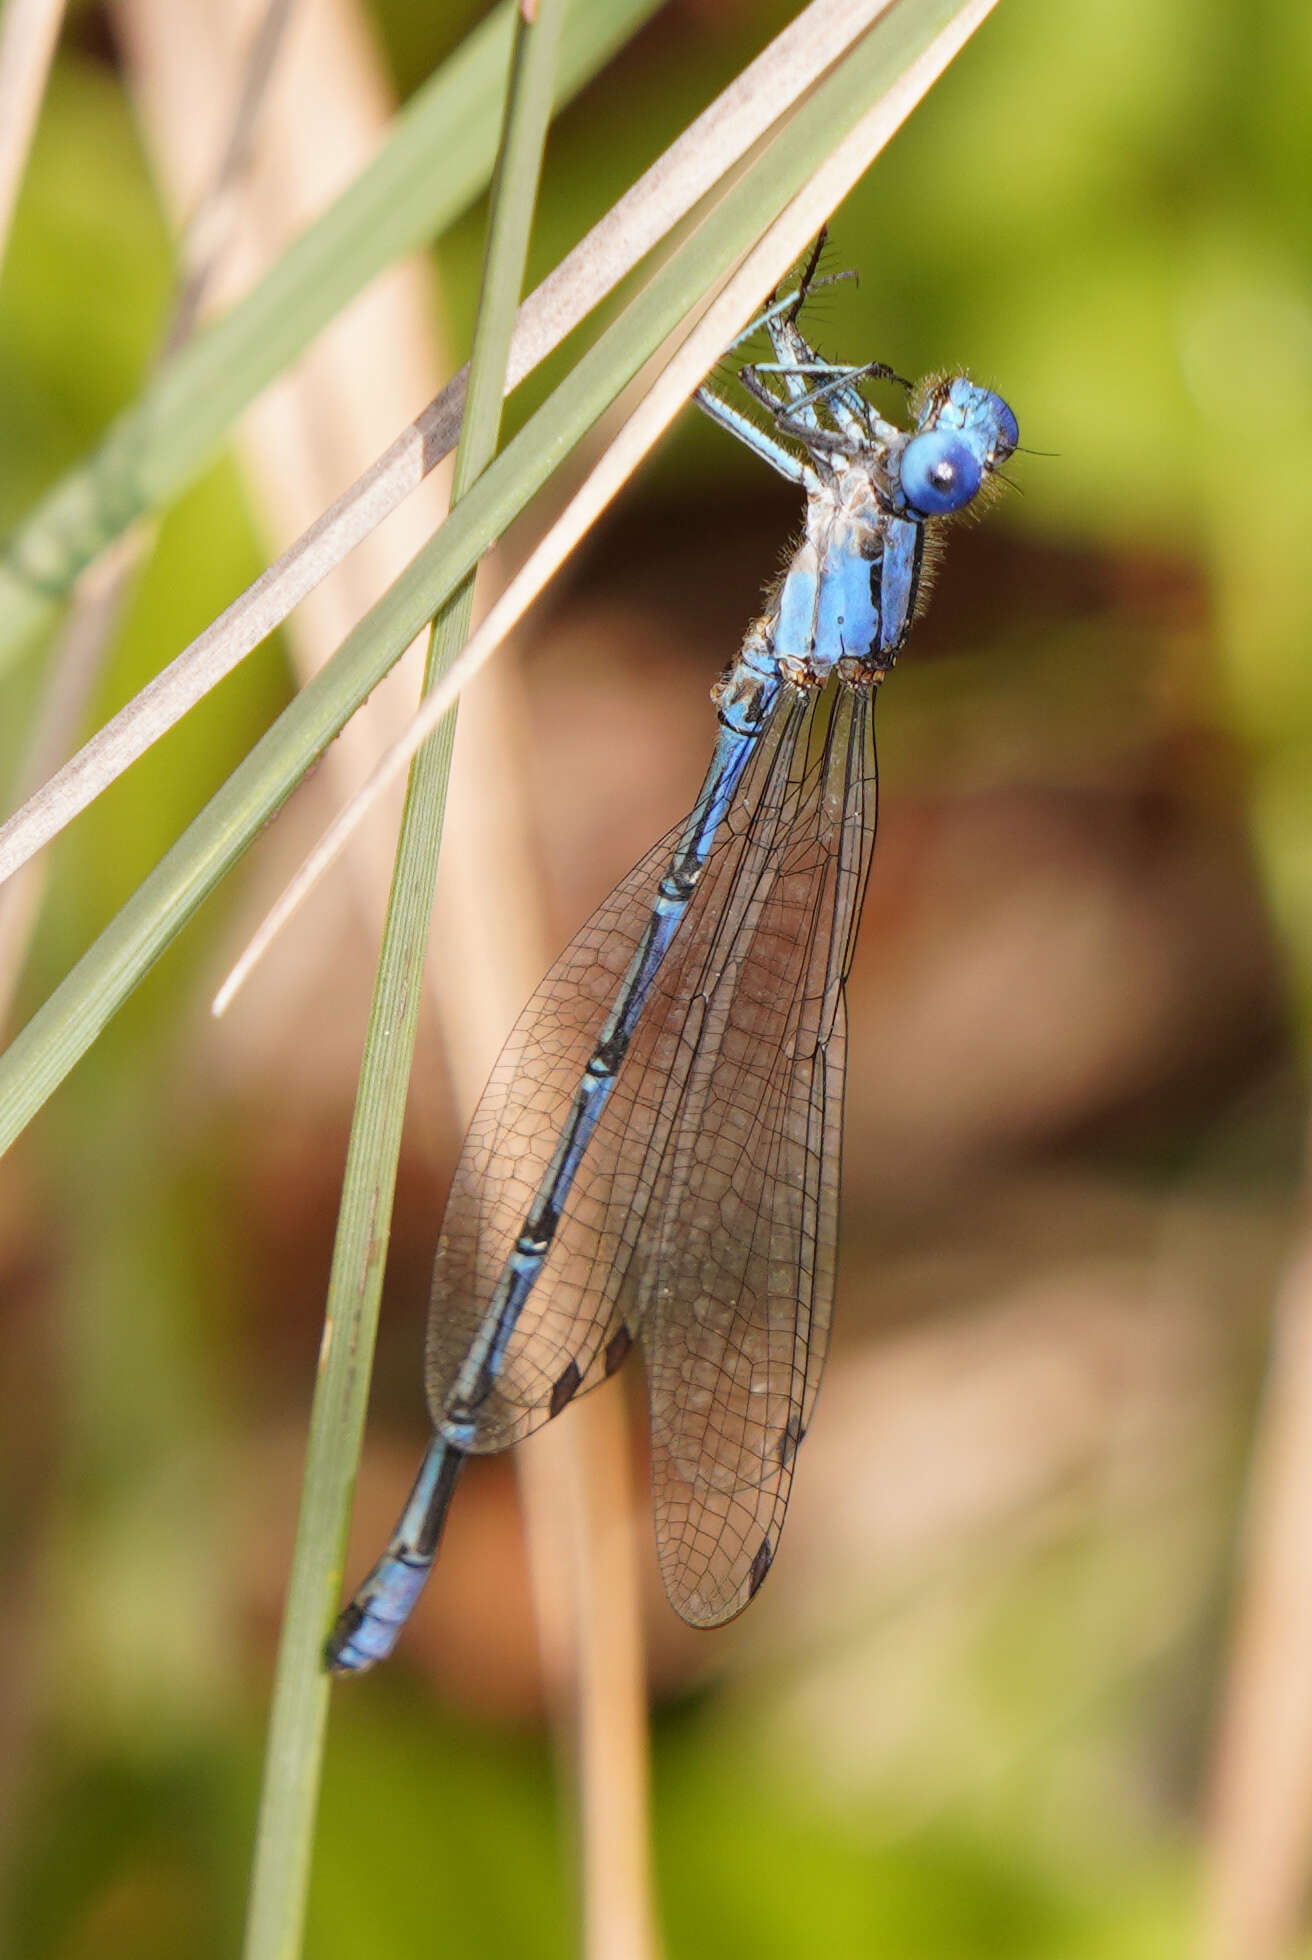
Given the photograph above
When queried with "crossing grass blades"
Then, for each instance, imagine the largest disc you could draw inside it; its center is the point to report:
(656, 1156)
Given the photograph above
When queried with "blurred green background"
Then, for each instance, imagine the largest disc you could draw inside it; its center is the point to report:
(971, 1714)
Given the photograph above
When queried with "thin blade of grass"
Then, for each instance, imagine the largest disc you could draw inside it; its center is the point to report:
(29, 30)
(70, 1020)
(711, 145)
(1256, 1857)
(289, 1799)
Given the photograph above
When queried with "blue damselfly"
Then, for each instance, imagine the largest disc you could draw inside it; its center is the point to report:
(656, 1155)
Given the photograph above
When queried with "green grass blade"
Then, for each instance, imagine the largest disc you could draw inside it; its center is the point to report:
(69, 1021)
(292, 1766)
(437, 159)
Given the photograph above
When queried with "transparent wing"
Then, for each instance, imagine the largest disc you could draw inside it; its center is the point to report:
(571, 1331)
(735, 1253)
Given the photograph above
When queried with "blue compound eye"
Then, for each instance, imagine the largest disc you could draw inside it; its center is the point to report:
(939, 473)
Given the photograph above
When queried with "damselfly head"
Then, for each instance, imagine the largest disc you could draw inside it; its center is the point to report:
(964, 433)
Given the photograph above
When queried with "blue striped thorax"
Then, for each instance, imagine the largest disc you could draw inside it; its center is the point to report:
(848, 597)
